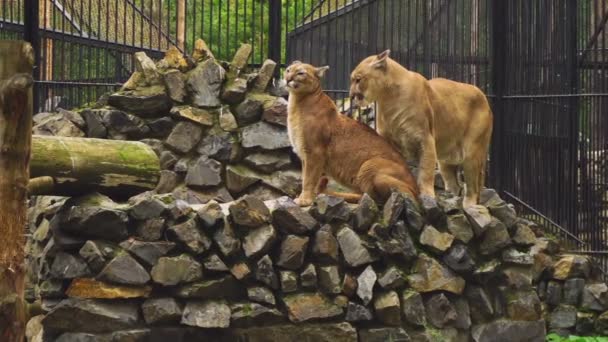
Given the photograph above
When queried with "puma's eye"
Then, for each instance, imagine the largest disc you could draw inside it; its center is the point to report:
(357, 79)
(301, 73)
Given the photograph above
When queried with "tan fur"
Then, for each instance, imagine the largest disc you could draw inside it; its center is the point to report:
(430, 121)
(337, 146)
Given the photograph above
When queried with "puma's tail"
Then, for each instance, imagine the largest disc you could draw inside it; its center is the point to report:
(348, 197)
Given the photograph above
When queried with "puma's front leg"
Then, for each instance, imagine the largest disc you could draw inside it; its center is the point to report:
(426, 172)
(312, 170)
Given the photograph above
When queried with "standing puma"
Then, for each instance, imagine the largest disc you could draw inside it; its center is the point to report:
(431, 121)
(337, 146)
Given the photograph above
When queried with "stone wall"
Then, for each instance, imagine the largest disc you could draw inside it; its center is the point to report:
(217, 127)
(179, 264)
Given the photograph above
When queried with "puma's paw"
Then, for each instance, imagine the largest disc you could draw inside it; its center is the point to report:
(303, 201)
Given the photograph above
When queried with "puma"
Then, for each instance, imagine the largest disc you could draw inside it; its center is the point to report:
(330, 144)
(430, 121)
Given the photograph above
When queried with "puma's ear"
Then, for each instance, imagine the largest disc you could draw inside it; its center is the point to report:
(321, 71)
(381, 59)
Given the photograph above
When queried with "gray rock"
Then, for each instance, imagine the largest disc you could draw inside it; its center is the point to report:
(523, 306)
(145, 66)
(505, 213)
(67, 266)
(226, 287)
(191, 114)
(459, 259)
(585, 323)
(513, 256)
(215, 264)
(440, 311)
(249, 212)
(175, 84)
(495, 238)
(358, 313)
(94, 222)
(303, 307)
(207, 314)
(572, 266)
(383, 334)
(161, 311)
(189, 234)
(58, 125)
(573, 291)
(393, 209)
(353, 248)
(254, 314)
(51, 288)
(330, 209)
(205, 82)
(226, 240)
(147, 252)
(204, 173)
(289, 281)
(125, 124)
(436, 241)
(395, 242)
(238, 181)
(151, 230)
(210, 215)
(349, 285)
(261, 294)
(276, 113)
(429, 275)
(235, 91)
(265, 75)
(523, 236)
(92, 316)
(264, 135)
(463, 317)
(325, 245)
(184, 137)
(413, 308)
(480, 218)
(308, 277)
(387, 308)
(481, 305)
(265, 273)
(563, 317)
(366, 281)
(365, 214)
(123, 269)
(169, 271)
(146, 207)
(248, 112)
(554, 293)
(147, 103)
(291, 219)
(292, 252)
(168, 182)
(97, 254)
(460, 228)
(329, 279)
(268, 162)
(216, 145)
(595, 297)
(227, 120)
(391, 279)
(259, 240)
(161, 128)
(94, 125)
(509, 331)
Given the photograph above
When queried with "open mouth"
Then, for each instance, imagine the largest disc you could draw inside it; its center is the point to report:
(292, 85)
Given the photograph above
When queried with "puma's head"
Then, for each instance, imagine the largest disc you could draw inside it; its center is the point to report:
(302, 78)
(368, 77)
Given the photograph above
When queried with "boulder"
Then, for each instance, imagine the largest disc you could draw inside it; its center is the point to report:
(353, 248)
(249, 212)
(189, 234)
(292, 252)
(264, 135)
(391, 278)
(259, 241)
(289, 281)
(268, 162)
(254, 314)
(147, 252)
(276, 113)
(413, 308)
(93, 316)
(68, 266)
(161, 311)
(261, 294)
(226, 287)
(329, 279)
(175, 85)
(495, 238)
(248, 112)
(265, 75)
(509, 331)
(437, 241)
(291, 219)
(184, 137)
(266, 274)
(169, 271)
(310, 306)
(365, 214)
(146, 103)
(124, 270)
(325, 245)
(205, 82)
(308, 277)
(207, 314)
(429, 275)
(366, 281)
(523, 306)
(387, 308)
(440, 311)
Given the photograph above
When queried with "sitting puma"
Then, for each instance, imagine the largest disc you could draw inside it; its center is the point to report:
(337, 146)
(430, 121)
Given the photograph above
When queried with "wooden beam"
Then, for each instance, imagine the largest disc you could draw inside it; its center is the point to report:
(181, 24)
(16, 67)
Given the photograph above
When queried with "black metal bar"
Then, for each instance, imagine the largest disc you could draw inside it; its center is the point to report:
(32, 35)
(498, 65)
(274, 31)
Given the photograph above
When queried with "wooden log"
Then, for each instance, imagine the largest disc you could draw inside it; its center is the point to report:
(16, 66)
(78, 165)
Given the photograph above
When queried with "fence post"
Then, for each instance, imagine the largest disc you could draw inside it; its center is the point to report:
(31, 25)
(498, 67)
(274, 28)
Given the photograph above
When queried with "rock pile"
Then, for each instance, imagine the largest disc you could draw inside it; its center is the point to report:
(218, 131)
(158, 268)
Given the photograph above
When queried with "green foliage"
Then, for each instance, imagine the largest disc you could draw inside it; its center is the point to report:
(572, 338)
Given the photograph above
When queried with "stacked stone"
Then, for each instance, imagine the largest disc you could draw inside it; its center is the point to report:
(253, 270)
(218, 131)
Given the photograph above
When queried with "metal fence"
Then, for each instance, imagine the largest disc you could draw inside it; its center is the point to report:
(542, 63)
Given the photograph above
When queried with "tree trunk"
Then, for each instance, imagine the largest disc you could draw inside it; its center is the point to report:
(16, 65)
(79, 165)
